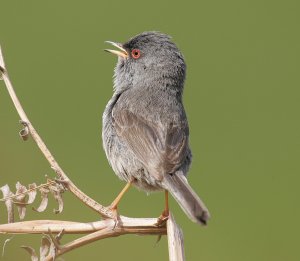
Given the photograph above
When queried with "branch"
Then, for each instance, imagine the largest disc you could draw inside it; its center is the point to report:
(97, 230)
(175, 240)
(28, 127)
(111, 231)
(127, 225)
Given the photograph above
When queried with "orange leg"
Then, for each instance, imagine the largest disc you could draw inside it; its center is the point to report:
(114, 204)
(166, 211)
(165, 214)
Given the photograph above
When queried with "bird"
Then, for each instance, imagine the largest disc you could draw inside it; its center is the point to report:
(145, 130)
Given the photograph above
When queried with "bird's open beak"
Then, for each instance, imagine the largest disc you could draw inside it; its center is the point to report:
(122, 52)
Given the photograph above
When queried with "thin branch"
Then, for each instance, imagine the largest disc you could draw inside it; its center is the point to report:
(97, 230)
(175, 240)
(104, 211)
(110, 231)
(128, 225)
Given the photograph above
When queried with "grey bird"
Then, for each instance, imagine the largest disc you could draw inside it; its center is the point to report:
(145, 129)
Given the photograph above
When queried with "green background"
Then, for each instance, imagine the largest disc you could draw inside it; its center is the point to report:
(242, 100)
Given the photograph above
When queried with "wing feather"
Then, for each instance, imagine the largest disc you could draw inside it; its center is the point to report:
(161, 147)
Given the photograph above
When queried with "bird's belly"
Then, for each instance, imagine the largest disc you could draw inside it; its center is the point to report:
(126, 166)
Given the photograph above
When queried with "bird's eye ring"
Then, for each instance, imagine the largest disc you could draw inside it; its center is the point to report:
(136, 53)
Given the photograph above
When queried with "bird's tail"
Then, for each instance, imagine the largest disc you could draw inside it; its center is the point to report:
(186, 197)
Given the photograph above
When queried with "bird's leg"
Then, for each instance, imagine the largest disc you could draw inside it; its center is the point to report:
(165, 214)
(166, 211)
(114, 204)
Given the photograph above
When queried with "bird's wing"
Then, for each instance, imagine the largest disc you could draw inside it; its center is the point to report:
(161, 147)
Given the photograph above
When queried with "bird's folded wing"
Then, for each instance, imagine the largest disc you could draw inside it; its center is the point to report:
(161, 147)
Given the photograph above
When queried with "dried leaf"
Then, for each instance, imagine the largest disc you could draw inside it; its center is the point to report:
(55, 239)
(8, 202)
(2, 70)
(44, 202)
(57, 191)
(32, 193)
(47, 248)
(24, 133)
(20, 198)
(5, 243)
(32, 253)
(52, 252)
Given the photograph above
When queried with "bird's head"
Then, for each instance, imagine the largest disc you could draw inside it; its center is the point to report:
(149, 60)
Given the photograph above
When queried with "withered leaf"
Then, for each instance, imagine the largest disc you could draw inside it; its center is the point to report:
(32, 193)
(5, 244)
(47, 248)
(44, 202)
(20, 199)
(24, 133)
(2, 71)
(8, 203)
(57, 191)
(32, 253)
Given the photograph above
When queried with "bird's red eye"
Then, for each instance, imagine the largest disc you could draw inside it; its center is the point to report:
(136, 53)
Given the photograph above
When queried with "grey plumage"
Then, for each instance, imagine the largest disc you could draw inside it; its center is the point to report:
(145, 128)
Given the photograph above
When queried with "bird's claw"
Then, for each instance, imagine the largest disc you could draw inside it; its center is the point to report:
(162, 219)
(115, 216)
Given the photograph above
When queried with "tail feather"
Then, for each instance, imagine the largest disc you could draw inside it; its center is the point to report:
(186, 197)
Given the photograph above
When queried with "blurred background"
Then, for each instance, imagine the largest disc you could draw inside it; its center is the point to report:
(242, 100)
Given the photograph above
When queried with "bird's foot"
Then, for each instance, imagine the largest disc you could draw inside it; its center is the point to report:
(114, 205)
(162, 219)
(115, 215)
